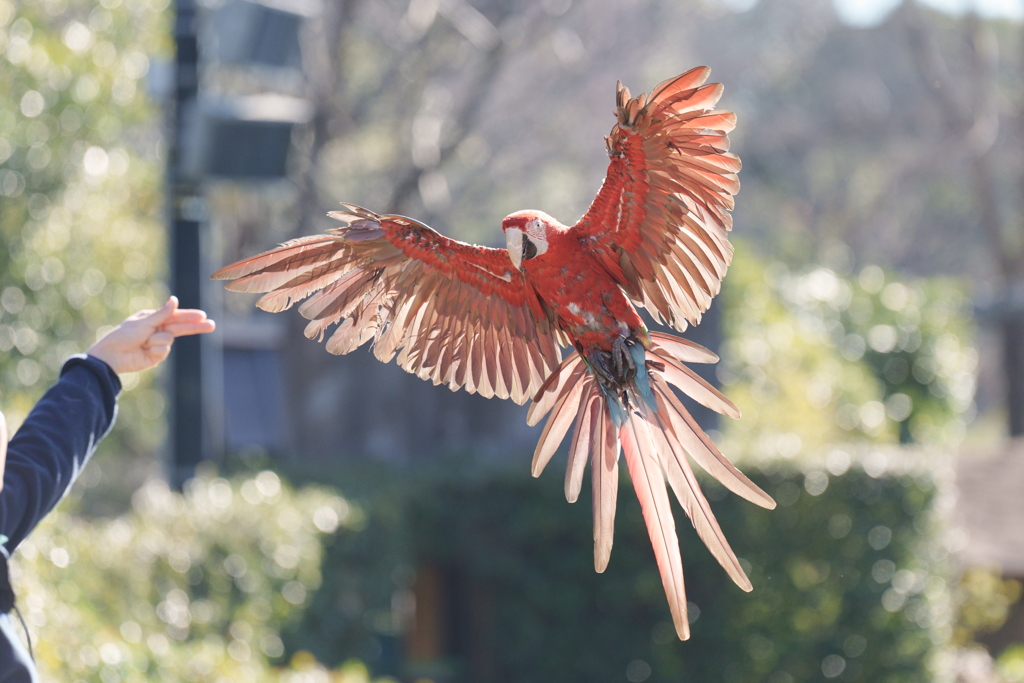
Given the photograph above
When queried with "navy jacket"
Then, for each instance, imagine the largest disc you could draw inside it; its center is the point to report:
(43, 460)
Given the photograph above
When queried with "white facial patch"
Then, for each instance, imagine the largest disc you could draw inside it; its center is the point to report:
(537, 233)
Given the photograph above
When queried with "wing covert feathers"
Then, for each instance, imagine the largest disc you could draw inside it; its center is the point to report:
(659, 223)
(655, 445)
(452, 313)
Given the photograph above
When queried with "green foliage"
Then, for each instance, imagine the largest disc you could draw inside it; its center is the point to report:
(81, 243)
(194, 587)
(984, 598)
(1011, 663)
(848, 580)
(814, 359)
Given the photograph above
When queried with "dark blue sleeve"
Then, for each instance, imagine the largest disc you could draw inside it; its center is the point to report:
(53, 444)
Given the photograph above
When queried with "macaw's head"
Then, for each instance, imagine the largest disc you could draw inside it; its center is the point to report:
(527, 234)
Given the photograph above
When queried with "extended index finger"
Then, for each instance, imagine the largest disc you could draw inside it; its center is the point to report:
(186, 315)
(184, 329)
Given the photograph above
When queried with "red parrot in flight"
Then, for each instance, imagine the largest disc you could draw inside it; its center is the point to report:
(492, 320)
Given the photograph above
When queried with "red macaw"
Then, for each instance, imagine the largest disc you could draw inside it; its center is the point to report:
(492, 320)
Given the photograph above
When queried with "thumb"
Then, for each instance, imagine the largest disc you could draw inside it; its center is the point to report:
(164, 313)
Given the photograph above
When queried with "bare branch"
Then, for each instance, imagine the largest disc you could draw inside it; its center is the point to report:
(934, 70)
(972, 115)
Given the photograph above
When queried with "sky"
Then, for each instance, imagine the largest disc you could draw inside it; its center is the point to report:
(871, 12)
(866, 13)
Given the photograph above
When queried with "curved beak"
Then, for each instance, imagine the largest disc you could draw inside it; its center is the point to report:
(514, 244)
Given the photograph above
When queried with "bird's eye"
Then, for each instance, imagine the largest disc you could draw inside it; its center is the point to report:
(529, 249)
(534, 225)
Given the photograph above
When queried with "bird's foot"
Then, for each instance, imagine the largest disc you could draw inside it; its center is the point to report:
(615, 368)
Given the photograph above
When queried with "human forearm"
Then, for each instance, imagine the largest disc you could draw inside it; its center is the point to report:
(54, 443)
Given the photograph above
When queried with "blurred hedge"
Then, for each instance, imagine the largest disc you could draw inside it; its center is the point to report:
(234, 578)
(849, 584)
(193, 587)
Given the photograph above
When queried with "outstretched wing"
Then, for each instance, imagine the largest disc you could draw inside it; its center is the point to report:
(454, 313)
(659, 223)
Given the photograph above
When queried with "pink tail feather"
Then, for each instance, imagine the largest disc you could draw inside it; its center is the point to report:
(586, 431)
(655, 445)
(649, 484)
(604, 474)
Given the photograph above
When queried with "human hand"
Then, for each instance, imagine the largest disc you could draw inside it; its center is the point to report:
(144, 339)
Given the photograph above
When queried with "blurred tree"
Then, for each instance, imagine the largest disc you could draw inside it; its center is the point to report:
(815, 359)
(848, 160)
(976, 112)
(896, 145)
(79, 204)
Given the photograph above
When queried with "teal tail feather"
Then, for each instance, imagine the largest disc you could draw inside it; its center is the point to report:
(642, 381)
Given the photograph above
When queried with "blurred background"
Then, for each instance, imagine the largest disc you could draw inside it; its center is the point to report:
(264, 511)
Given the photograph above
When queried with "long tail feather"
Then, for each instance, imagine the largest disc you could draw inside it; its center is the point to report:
(649, 484)
(696, 388)
(563, 415)
(684, 484)
(703, 450)
(560, 381)
(604, 474)
(683, 350)
(582, 438)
